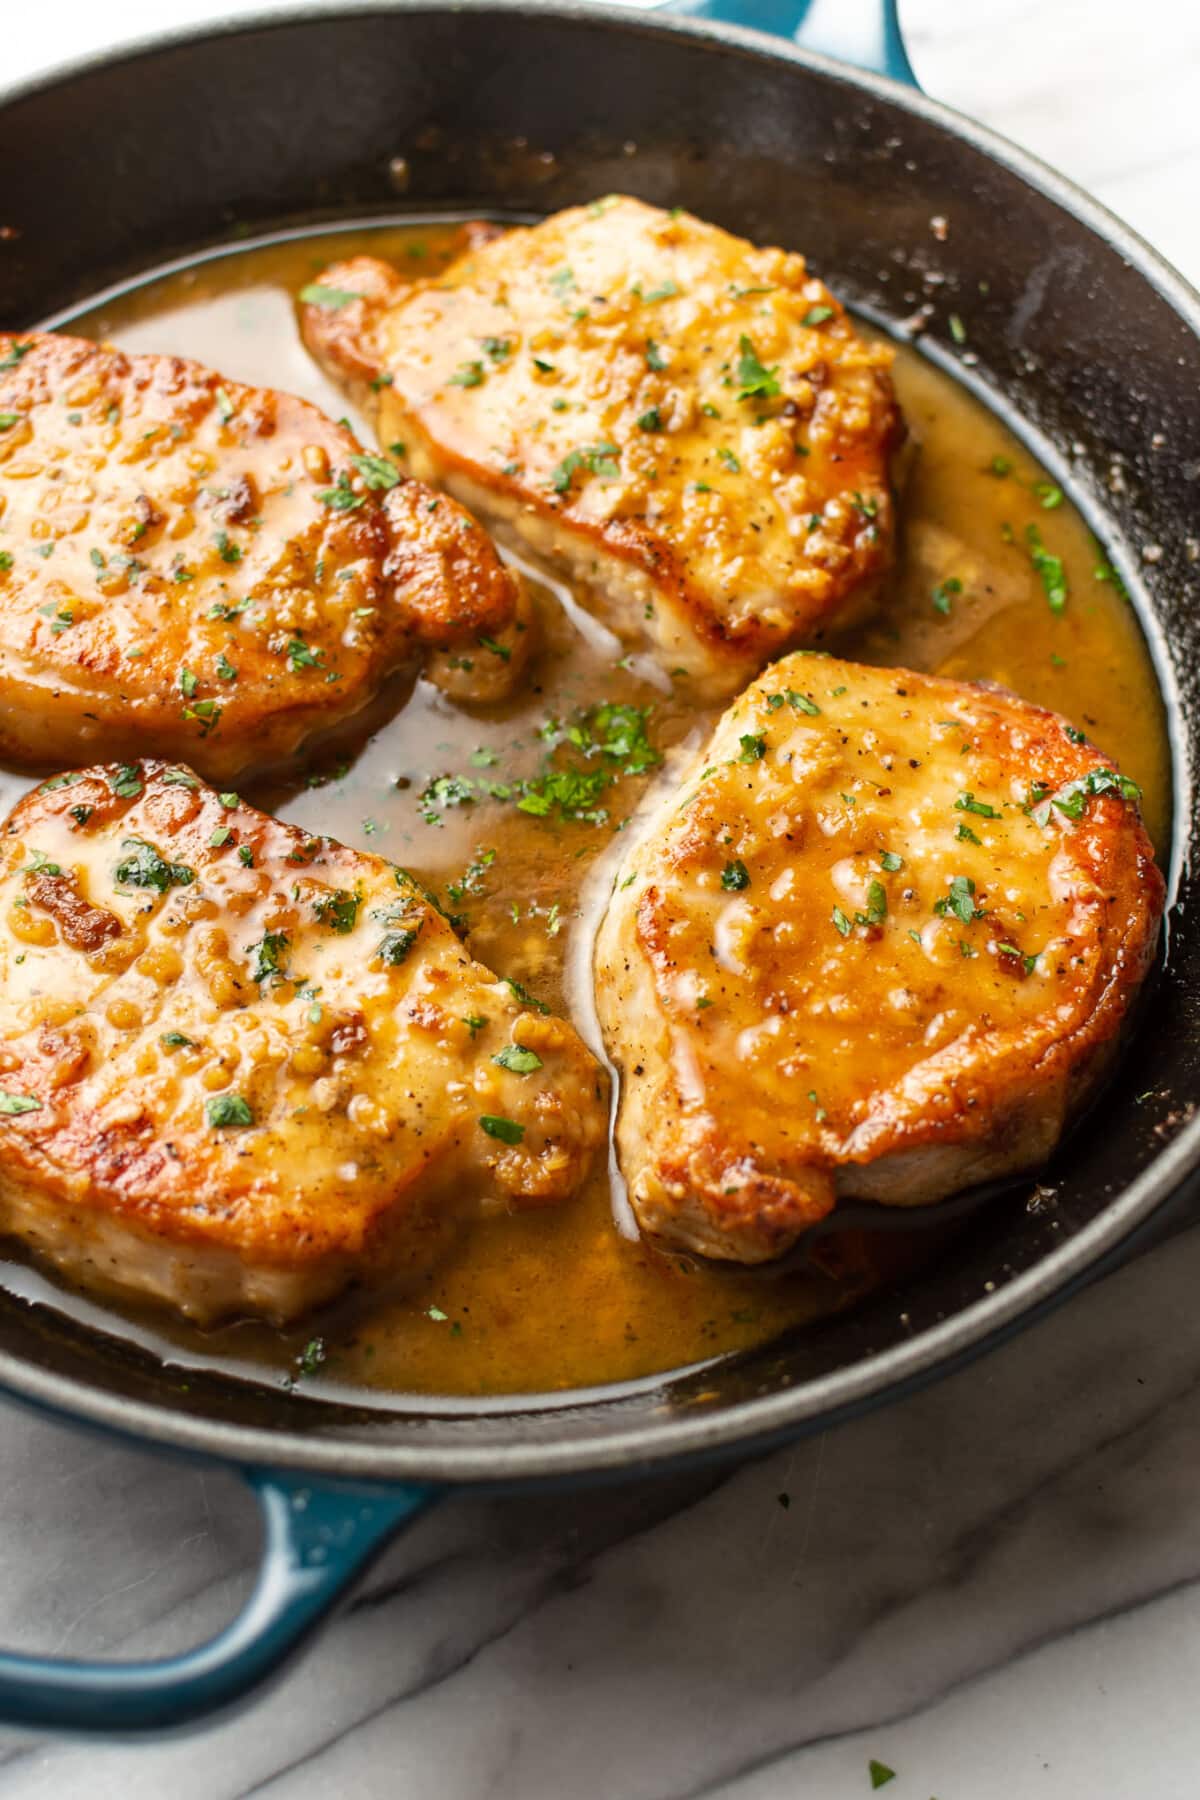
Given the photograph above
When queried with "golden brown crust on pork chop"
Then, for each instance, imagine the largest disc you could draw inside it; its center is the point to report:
(208, 570)
(241, 1067)
(878, 942)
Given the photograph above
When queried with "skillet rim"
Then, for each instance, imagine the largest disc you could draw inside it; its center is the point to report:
(749, 1425)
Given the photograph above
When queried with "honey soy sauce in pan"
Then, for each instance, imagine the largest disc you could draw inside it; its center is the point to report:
(570, 1297)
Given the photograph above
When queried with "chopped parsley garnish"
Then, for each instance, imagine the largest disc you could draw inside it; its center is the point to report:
(378, 472)
(501, 650)
(1049, 495)
(334, 298)
(524, 996)
(265, 954)
(1073, 796)
(312, 1356)
(651, 420)
(6, 561)
(965, 835)
(880, 1773)
(817, 315)
(220, 837)
(754, 747)
(225, 1110)
(228, 552)
(518, 1059)
(128, 784)
(734, 877)
(968, 803)
(498, 349)
(506, 1130)
(755, 381)
(1000, 466)
(175, 1040)
(187, 683)
(144, 867)
(394, 946)
(12, 1105)
(877, 905)
(15, 353)
(891, 862)
(943, 595)
(302, 656)
(341, 498)
(730, 460)
(338, 910)
(960, 901)
(1050, 568)
(467, 375)
(654, 356)
(474, 1022)
(7, 420)
(958, 330)
(841, 921)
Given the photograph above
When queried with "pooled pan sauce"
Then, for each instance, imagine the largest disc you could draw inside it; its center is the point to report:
(567, 1298)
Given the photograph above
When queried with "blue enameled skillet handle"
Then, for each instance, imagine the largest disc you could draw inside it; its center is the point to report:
(864, 33)
(317, 1536)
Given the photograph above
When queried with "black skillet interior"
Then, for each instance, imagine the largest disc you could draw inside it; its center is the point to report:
(129, 162)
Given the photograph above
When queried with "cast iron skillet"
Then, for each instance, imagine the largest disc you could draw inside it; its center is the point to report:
(1075, 330)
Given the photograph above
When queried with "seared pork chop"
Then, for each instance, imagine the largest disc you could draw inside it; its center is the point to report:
(689, 426)
(879, 942)
(241, 1067)
(213, 571)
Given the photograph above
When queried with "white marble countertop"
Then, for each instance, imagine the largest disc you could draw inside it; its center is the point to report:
(992, 1588)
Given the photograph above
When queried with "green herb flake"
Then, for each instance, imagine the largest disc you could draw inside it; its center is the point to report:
(378, 472)
(8, 420)
(175, 1040)
(841, 922)
(265, 954)
(524, 996)
(474, 1022)
(312, 1356)
(225, 1111)
(13, 1105)
(880, 1773)
(518, 1059)
(220, 837)
(729, 460)
(651, 420)
(338, 910)
(891, 862)
(334, 298)
(1050, 569)
(654, 356)
(734, 877)
(228, 551)
(755, 381)
(754, 747)
(958, 330)
(467, 375)
(960, 901)
(944, 594)
(968, 803)
(393, 948)
(507, 1131)
(144, 867)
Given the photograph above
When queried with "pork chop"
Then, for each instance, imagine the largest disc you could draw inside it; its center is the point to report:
(201, 569)
(878, 942)
(689, 426)
(241, 1067)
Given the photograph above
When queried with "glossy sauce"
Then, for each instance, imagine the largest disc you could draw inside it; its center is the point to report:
(569, 1297)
